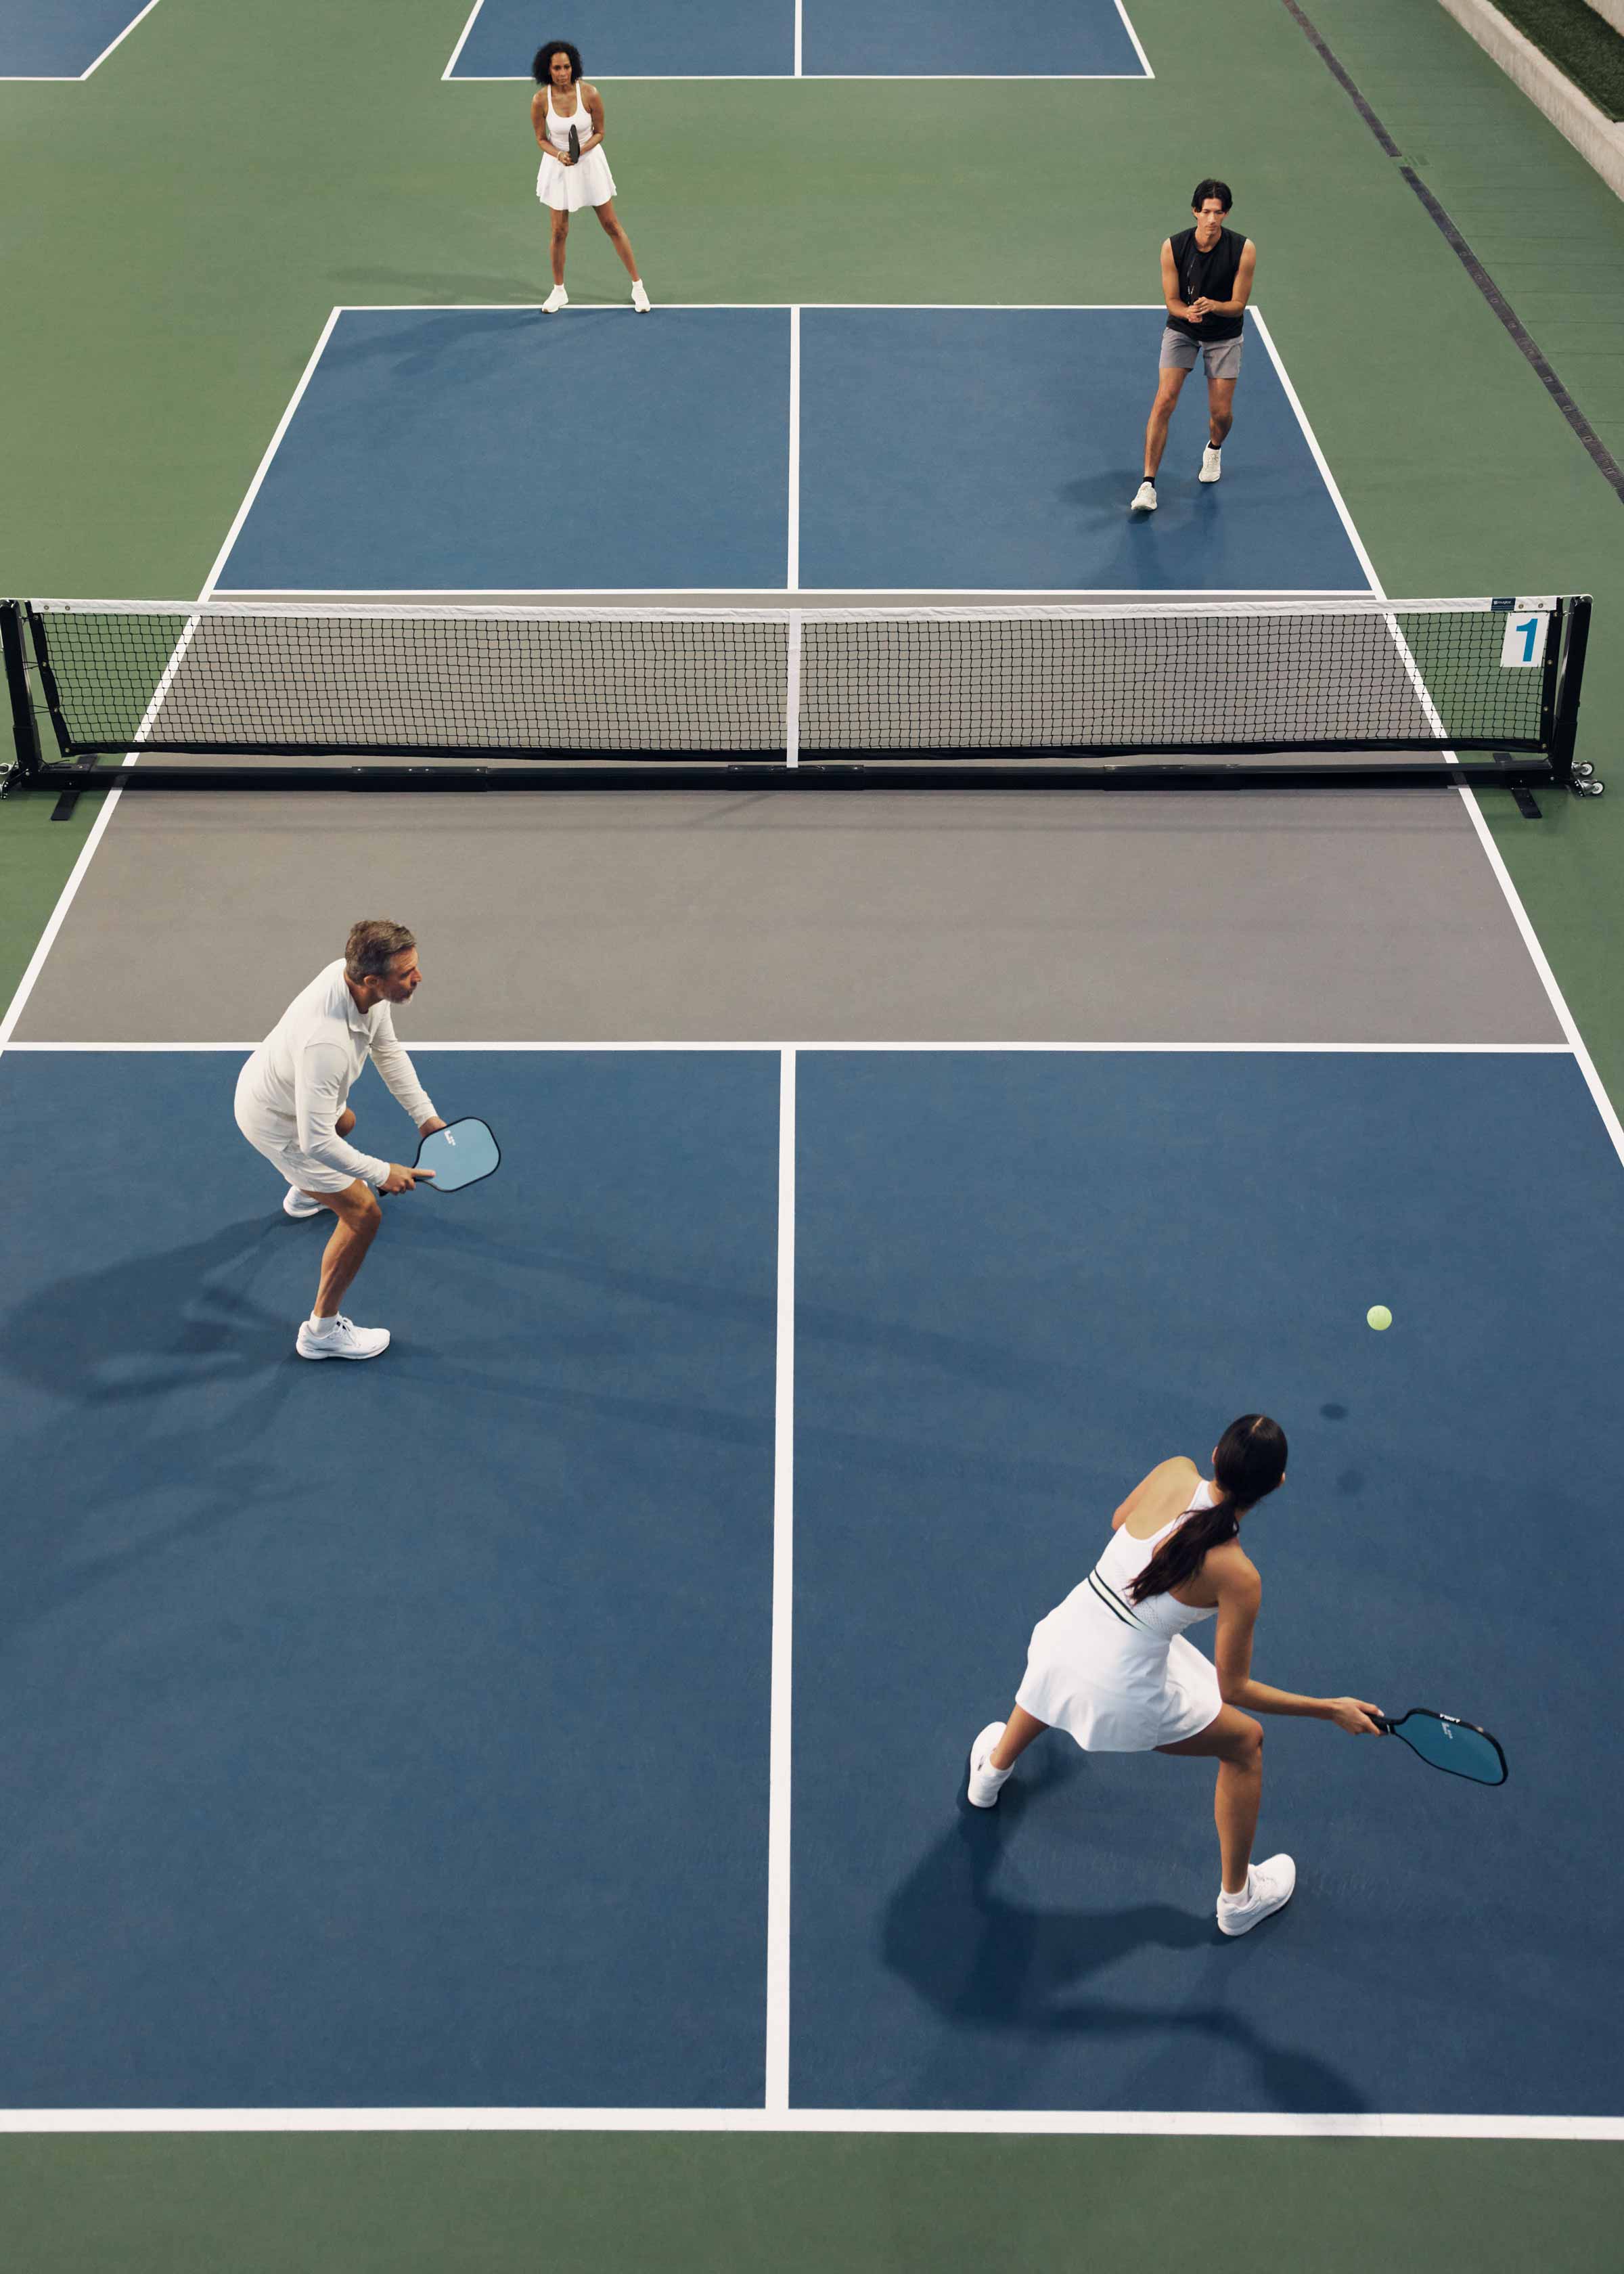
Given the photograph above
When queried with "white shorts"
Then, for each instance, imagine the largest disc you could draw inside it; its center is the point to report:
(281, 1150)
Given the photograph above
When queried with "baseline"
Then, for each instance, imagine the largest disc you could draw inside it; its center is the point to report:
(1176, 2123)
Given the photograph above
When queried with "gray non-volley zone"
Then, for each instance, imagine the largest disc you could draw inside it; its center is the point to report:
(777, 684)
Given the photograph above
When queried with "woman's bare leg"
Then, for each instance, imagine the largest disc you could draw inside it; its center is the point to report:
(560, 231)
(617, 236)
(1019, 1731)
(1237, 1741)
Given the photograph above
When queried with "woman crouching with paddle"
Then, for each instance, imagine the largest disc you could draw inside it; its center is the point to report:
(1111, 1666)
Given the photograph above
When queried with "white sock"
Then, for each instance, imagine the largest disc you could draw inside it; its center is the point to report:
(1225, 1896)
(322, 1326)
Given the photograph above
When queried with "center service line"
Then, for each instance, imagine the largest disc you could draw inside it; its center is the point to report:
(779, 1757)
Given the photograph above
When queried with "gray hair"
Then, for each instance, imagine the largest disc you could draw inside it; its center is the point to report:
(372, 945)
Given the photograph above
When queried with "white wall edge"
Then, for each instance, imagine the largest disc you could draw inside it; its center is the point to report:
(1598, 141)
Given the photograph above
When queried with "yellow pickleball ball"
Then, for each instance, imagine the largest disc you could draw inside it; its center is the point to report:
(1380, 1317)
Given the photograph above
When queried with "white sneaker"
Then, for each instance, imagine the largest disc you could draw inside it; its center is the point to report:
(640, 299)
(985, 1783)
(342, 1339)
(1212, 464)
(294, 1204)
(1144, 498)
(557, 298)
(1268, 1886)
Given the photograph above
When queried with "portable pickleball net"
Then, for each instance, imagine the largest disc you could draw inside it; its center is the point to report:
(1342, 691)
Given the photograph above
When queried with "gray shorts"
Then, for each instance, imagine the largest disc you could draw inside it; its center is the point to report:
(1223, 356)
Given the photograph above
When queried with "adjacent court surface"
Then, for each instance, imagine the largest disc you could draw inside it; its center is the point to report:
(766, 39)
(69, 39)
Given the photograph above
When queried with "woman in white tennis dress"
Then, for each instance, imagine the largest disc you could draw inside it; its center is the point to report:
(1112, 1666)
(562, 100)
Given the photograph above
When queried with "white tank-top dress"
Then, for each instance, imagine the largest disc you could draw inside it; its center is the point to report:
(1118, 1675)
(589, 180)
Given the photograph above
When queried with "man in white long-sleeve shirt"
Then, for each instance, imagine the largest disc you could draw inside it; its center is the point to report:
(291, 1106)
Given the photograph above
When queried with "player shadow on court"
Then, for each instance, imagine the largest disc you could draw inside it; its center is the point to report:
(1125, 550)
(161, 1374)
(413, 349)
(988, 1363)
(1007, 1971)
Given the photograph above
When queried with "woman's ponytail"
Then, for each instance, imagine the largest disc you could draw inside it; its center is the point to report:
(1247, 1466)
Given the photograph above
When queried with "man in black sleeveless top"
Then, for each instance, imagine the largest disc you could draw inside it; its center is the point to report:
(1207, 274)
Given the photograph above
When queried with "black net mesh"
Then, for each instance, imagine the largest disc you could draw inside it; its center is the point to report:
(232, 678)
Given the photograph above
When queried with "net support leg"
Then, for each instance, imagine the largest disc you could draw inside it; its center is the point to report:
(1570, 680)
(791, 694)
(25, 726)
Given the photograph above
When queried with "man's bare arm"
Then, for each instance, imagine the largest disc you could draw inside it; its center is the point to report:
(1244, 275)
(1169, 285)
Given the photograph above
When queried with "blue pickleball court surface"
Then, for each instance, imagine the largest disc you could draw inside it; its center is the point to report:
(466, 449)
(731, 39)
(388, 1734)
(1019, 1279)
(60, 39)
(997, 450)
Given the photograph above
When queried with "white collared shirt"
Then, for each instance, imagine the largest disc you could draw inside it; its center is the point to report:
(299, 1078)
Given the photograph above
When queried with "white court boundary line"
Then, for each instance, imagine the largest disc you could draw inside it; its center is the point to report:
(76, 78)
(778, 78)
(780, 1748)
(271, 449)
(1176, 2122)
(109, 799)
(1474, 812)
(793, 571)
(98, 830)
(771, 1049)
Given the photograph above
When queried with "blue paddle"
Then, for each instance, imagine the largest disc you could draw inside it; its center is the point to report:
(459, 1154)
(1460, 1747)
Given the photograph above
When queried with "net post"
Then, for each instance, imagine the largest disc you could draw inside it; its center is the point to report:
(1569, 681)
(25, 726)
(791, 691)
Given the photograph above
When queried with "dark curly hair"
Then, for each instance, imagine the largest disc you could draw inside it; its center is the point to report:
(540, 71)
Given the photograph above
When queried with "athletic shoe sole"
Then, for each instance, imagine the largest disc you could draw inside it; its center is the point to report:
(319, 1350)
